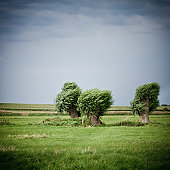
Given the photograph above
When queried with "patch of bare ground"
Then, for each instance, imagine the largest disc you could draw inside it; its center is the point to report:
(25, 136)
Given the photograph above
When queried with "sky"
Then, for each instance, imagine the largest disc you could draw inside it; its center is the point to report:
(107, 44)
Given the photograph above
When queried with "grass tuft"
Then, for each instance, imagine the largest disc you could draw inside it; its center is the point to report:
(58, 121)
(5, 122)
(129, 123)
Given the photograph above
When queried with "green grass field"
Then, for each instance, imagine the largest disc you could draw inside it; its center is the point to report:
(28, 143)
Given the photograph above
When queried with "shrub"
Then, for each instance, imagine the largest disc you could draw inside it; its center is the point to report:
(58, 121)
(165, 109)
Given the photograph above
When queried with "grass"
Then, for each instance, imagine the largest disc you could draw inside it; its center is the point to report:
(28, 143)
(19, 106)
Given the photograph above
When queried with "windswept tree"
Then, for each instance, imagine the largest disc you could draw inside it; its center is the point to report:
(93, 103)
(146, 100)
(66, 100)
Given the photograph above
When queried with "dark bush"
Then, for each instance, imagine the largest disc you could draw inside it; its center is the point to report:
(165, 109)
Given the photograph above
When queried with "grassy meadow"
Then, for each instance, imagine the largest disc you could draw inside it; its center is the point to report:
(57, 142)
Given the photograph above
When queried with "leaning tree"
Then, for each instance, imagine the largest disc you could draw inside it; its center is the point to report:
(146, 100)
(93, 103)
(66, 100)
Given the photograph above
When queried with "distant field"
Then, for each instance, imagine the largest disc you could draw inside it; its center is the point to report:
(127, 108)
(17, 106)
(49, 109)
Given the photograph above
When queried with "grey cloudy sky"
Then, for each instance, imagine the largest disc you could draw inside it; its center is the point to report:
(108, 44)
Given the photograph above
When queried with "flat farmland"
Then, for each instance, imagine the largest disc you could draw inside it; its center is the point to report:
(49, 109)
(19, 106)
(58, 142)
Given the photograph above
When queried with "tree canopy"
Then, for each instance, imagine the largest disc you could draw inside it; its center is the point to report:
(146, 99)
(66, 100)
(94, 102)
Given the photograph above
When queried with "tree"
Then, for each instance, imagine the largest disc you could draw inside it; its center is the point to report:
(146, 100)
(93, 103)
(66, 100)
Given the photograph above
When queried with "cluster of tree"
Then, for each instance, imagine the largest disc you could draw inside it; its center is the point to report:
(92, 103)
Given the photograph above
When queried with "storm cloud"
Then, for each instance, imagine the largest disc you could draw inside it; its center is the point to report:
(116, 45)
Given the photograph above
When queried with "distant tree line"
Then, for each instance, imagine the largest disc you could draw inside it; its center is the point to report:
(165, 105)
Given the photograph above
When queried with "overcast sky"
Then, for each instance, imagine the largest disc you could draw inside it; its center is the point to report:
(108, 44)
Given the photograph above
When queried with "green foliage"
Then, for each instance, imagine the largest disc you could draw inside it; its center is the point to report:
(58, 121)
(143, 93)
(137, 107)
(165, 109)
(68, 97)
(69, 86)
(94, 101)
(127, 123)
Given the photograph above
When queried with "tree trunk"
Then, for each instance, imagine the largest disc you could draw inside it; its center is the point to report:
(73, 113)
(145, 118)
(145, 115)
(95, 120)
